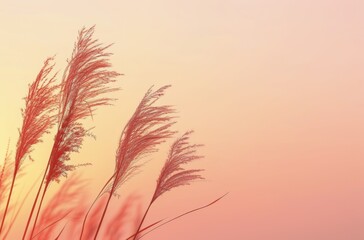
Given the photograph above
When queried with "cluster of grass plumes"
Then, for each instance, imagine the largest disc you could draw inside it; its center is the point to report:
(147, 128)
(85, 82)
(84, 86)
(38, 119)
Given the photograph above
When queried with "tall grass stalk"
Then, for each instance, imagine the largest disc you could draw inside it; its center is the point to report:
(83, 86)
(173, 174)
(38, 119)
(86, 78)
(147, 128)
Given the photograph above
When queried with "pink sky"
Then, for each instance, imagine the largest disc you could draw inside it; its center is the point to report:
(274, 89)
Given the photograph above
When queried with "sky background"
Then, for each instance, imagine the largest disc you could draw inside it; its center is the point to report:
(274, 89)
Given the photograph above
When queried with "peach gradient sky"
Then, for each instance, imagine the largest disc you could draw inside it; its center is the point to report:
(274, 89)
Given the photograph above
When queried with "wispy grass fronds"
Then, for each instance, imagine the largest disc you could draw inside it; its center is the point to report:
(148, 127)
(86, 79)
(84, 86)
(39, 113)
(173, 174)
(38, 118)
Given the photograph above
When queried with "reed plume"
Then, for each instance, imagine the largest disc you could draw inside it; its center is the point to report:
(86, 79)
(85, 82)
(38, 115)
(38, 119)
(173, 174)
(147, 128)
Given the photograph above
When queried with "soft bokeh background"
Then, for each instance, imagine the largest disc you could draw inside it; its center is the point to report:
(274, 89)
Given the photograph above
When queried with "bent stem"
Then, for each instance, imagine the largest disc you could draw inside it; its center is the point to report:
(146, 228)
(182, 215)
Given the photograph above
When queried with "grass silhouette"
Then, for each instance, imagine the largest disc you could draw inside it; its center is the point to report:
(84, 86)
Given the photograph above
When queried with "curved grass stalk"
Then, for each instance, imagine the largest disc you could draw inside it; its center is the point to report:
(177, 217)
(86, 78)
(173, 174)
(147, 128)
(38, 119)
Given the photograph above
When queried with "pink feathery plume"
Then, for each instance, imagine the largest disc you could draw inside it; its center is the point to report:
(86, 79)
(39, 113)
(38, 119)
(147, 128)
(173, 174)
